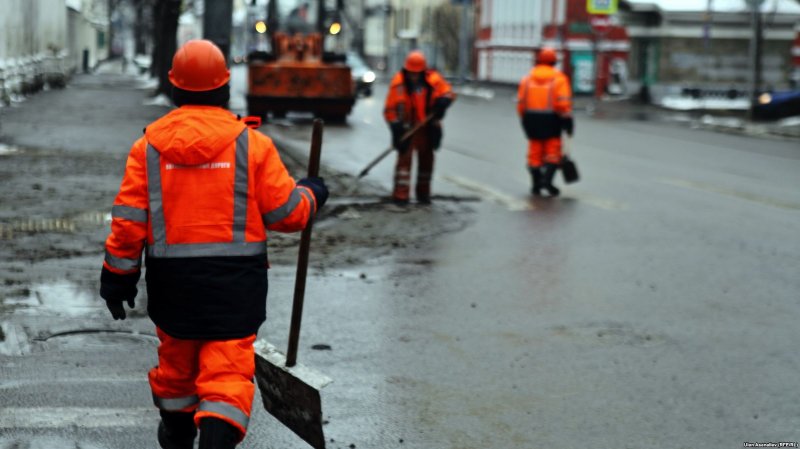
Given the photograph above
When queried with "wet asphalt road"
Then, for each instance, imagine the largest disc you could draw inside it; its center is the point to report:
(653, 305)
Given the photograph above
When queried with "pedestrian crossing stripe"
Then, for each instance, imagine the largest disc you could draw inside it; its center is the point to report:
(82, 417)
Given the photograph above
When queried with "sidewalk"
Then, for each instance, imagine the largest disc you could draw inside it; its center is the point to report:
(628, 109)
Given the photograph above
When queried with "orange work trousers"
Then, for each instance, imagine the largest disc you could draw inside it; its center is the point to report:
(402, 171)
(214, 378)
(544, 151)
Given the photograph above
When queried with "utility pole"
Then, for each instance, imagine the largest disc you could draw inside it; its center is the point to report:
(755, 54)
(217, 24)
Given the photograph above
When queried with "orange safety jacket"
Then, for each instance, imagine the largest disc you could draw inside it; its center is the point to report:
(409, 106)
(199, 193)
(544, 97)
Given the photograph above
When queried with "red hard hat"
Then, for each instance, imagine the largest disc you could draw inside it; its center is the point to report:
(415, 62)
(546, 55)
(198, 66)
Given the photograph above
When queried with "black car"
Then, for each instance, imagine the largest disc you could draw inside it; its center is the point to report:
(363, 76)
(777, 105)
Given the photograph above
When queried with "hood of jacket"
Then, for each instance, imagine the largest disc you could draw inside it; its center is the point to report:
(543, 73)
(192, 135)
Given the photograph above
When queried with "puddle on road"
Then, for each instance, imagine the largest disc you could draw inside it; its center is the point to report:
(58, 315)
(7, 150)
(61, 298)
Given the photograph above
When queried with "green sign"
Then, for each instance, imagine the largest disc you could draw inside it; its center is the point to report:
(582, 72)
(601, 6)
(580, 27)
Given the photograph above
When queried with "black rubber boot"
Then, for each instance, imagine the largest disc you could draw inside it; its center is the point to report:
(547, 181)
(217, 434)
(176, 430)
(536, 177)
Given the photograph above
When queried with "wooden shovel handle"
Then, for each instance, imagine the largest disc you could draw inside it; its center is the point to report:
(302, 257)
(386, 152)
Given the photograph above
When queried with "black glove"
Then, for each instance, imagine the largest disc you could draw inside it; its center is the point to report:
(568, 125)
(117, 309)
(317, 185)
(397, 135)
(435, 135)
(116, 289)
(440, 105)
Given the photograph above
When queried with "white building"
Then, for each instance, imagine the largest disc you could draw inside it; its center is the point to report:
(393, 27)
(45, 41)
(705, 44)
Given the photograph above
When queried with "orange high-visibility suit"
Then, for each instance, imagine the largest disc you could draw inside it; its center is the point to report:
(544, 97)
(407, 105)
(199, 193)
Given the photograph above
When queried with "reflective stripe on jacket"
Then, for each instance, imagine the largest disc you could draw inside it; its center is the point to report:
(543, 98)
(199, 193)
(192, 200)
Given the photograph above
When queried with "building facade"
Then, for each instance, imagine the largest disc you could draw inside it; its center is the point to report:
(43, 42)
(393, 27)
(593, 49)
(704, 46)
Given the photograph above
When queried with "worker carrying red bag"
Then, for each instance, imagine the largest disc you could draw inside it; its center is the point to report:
(199, 193)
(544, 104)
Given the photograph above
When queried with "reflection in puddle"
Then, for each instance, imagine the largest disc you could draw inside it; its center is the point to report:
(62, 297)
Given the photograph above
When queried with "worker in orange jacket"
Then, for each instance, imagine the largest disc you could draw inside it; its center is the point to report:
(199, 193)
(544, 103)
(415, 93)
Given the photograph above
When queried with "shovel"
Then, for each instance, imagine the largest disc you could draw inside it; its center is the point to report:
(290, 391)
(568, 167)
(386, 152)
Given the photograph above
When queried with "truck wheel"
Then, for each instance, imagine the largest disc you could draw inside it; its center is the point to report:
(334, 118)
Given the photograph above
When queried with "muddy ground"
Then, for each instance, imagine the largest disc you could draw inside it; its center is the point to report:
(62, 155)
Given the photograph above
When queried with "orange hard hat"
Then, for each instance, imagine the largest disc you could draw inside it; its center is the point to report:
(546, 55)
(415, 62)
(198, 66)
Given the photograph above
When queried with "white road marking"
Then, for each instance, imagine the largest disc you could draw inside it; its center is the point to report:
(516, 204)
(83, 417)
(19, 383)
(685, 183)
(512, 203)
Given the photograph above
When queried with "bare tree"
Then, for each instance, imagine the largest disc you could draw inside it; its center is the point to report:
(446, 18)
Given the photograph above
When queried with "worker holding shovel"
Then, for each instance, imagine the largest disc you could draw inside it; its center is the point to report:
(418, 95)
(201, 188)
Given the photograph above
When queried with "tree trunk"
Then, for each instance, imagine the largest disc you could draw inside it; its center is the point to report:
(165, 15)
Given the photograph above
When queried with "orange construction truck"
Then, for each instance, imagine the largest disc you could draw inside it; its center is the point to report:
(296, 73)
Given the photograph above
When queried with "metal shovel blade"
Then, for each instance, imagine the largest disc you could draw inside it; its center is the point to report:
(291, 394)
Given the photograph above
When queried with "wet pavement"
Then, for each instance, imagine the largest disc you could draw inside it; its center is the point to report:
(653, 304)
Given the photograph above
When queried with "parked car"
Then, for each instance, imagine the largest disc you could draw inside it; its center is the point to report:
(363, 76)
(777, 105)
